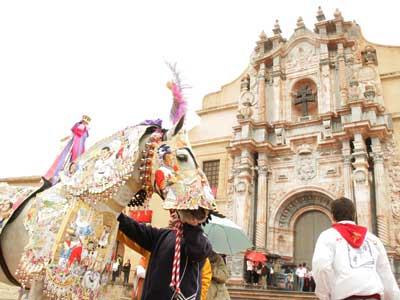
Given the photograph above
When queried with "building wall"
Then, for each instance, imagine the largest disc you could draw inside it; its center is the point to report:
(303, 164)
(212, 136)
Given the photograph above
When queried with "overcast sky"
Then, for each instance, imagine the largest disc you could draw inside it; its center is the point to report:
(62, 59)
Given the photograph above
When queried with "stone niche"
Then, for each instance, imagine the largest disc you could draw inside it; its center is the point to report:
(304, 100)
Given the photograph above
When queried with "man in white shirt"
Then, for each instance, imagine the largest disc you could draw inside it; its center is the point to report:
(351, 263)
(249, 269)
(301, 273)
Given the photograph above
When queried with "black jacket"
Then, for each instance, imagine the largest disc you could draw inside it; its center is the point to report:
(195, 248)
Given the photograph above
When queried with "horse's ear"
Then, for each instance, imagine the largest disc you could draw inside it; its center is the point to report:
(175, 129)
(179, 125)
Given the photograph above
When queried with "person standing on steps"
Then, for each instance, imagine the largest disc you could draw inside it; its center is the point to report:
(351, 263)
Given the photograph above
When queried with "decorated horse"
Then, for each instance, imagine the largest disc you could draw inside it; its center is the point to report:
(59, 242)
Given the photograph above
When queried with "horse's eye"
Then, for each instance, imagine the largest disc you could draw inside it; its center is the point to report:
(182, 157)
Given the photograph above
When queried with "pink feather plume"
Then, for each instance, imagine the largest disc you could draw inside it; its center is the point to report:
(179, 104)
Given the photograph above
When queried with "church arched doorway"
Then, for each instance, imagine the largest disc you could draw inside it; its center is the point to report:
(307, 228)
(298, 221)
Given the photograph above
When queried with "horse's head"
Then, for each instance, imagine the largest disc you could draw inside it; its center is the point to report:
(189, 189)
(121, 169)
(123, 166)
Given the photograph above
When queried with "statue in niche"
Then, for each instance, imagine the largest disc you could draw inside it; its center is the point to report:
(369, 56)
(245, 83)
(354, 91)
(247, 102)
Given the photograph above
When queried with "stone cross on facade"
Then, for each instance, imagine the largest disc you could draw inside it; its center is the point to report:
(303, 96)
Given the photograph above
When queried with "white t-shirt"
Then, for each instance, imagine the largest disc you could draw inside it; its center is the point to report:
(140, 271)
(341, 271)
(115, 266)
(301, 272)
(249, 265)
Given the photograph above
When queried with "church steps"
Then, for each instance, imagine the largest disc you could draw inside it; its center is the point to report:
(242, 293)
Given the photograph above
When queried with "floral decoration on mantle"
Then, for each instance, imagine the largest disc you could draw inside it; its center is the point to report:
(105, 167)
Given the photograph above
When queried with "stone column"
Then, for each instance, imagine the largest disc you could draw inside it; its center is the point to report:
(347, 170)
(235, 264)
(243, 192)
(261, 224)
(362, 196)
(382, 204)
(276, 86)
(324, 98)
(342, 75)
(261, 92)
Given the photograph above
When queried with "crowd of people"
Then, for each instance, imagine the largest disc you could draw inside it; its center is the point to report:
(349, 262)
(277, 275)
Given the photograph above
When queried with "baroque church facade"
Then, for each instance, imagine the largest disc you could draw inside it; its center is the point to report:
(312, 118)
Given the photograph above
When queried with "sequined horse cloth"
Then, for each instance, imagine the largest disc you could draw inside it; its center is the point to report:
(71, 239)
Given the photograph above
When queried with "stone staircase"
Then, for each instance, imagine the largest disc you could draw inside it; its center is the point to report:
(248, 293)
(118, 292)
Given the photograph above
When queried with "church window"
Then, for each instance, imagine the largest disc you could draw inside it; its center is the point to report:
(211, 169)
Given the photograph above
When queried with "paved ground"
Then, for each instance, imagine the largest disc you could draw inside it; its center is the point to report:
(117, 292)
(8, 292)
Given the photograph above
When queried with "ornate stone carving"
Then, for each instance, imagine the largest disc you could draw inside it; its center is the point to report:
(397, 240)
(240, 187)
(359, 176)
(337, 14)
(394, 179)
(366, 74)
(396, 208)
(392, 165)
(347, 159)
(280, 136)
(262, 36)
(282, 174)
(306, 169)
(320, 14)
(247, 99)
(369, 93)
(354, 91)
(369, 56)
(327, 125)
(300, 22)
(263, 170)
(235, 264)
(277, 28)
(230, 180)
(301, 57)
(377, 156)
(304, 149)
(245, 83)
(336, 188)
(330, 171)
(286, 213)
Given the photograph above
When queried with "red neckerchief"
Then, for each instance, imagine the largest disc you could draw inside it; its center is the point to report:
(353, 234)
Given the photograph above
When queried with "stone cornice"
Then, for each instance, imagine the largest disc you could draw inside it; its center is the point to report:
(390, 75)
(220, 140)
(217, 108)
(253, 123)
(363, 127)
(23, 180)
(315, 39)
(366, 129)
(396, 115)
